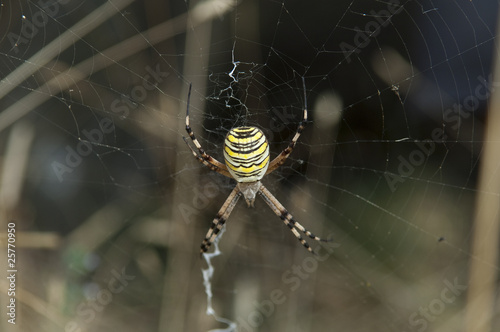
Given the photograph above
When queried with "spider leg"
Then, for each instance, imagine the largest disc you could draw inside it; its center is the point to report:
(281, 158)
(220, 219)
(203, 157)
(212, 167)
(287, 218)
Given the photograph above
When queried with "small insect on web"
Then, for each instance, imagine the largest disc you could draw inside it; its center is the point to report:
(247, 160)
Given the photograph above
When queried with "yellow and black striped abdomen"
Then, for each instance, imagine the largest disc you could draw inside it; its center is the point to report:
(246, 153)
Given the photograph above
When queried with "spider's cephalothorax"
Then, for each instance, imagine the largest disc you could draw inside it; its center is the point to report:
(246, 159)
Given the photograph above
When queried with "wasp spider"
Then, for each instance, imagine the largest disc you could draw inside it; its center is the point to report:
(246, 157)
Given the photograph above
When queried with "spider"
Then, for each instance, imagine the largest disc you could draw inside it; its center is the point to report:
(246, 157)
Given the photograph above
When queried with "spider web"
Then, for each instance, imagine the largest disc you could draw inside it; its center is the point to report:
(110, 206)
